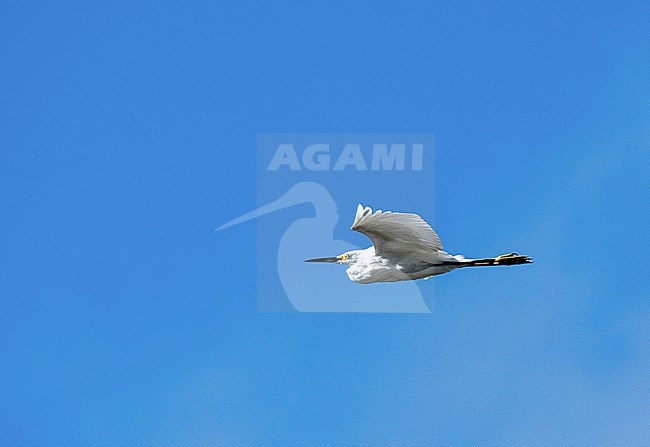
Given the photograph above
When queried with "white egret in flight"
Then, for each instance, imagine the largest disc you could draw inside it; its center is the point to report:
(404, 247)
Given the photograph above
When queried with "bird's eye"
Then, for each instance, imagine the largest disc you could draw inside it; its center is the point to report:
(345, 257)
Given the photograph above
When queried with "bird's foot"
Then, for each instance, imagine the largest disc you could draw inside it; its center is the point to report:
(512, 259)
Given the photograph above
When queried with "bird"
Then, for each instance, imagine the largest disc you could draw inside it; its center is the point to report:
(404, 247)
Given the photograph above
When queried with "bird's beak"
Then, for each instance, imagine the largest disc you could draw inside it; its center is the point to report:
(330, 259)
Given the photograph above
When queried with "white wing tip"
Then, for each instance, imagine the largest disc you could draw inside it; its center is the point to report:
(362, 211)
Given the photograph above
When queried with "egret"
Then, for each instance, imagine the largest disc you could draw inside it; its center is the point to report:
(404, 247)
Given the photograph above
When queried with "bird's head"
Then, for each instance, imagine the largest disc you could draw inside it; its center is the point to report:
(347, 258)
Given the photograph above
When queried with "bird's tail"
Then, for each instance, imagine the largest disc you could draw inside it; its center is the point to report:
(507, 259)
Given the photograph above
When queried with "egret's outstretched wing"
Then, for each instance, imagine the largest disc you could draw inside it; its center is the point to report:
(394, 234)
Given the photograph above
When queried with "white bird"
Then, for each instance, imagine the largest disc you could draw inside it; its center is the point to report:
(404, 248)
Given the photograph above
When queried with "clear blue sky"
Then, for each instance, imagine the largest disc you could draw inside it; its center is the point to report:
(128, 134)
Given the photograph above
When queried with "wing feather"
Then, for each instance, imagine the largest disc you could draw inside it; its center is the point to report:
(395, 234)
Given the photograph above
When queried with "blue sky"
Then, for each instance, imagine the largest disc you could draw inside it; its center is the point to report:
(129, 133)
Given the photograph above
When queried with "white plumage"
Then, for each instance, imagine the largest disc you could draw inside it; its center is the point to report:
(404, 247)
